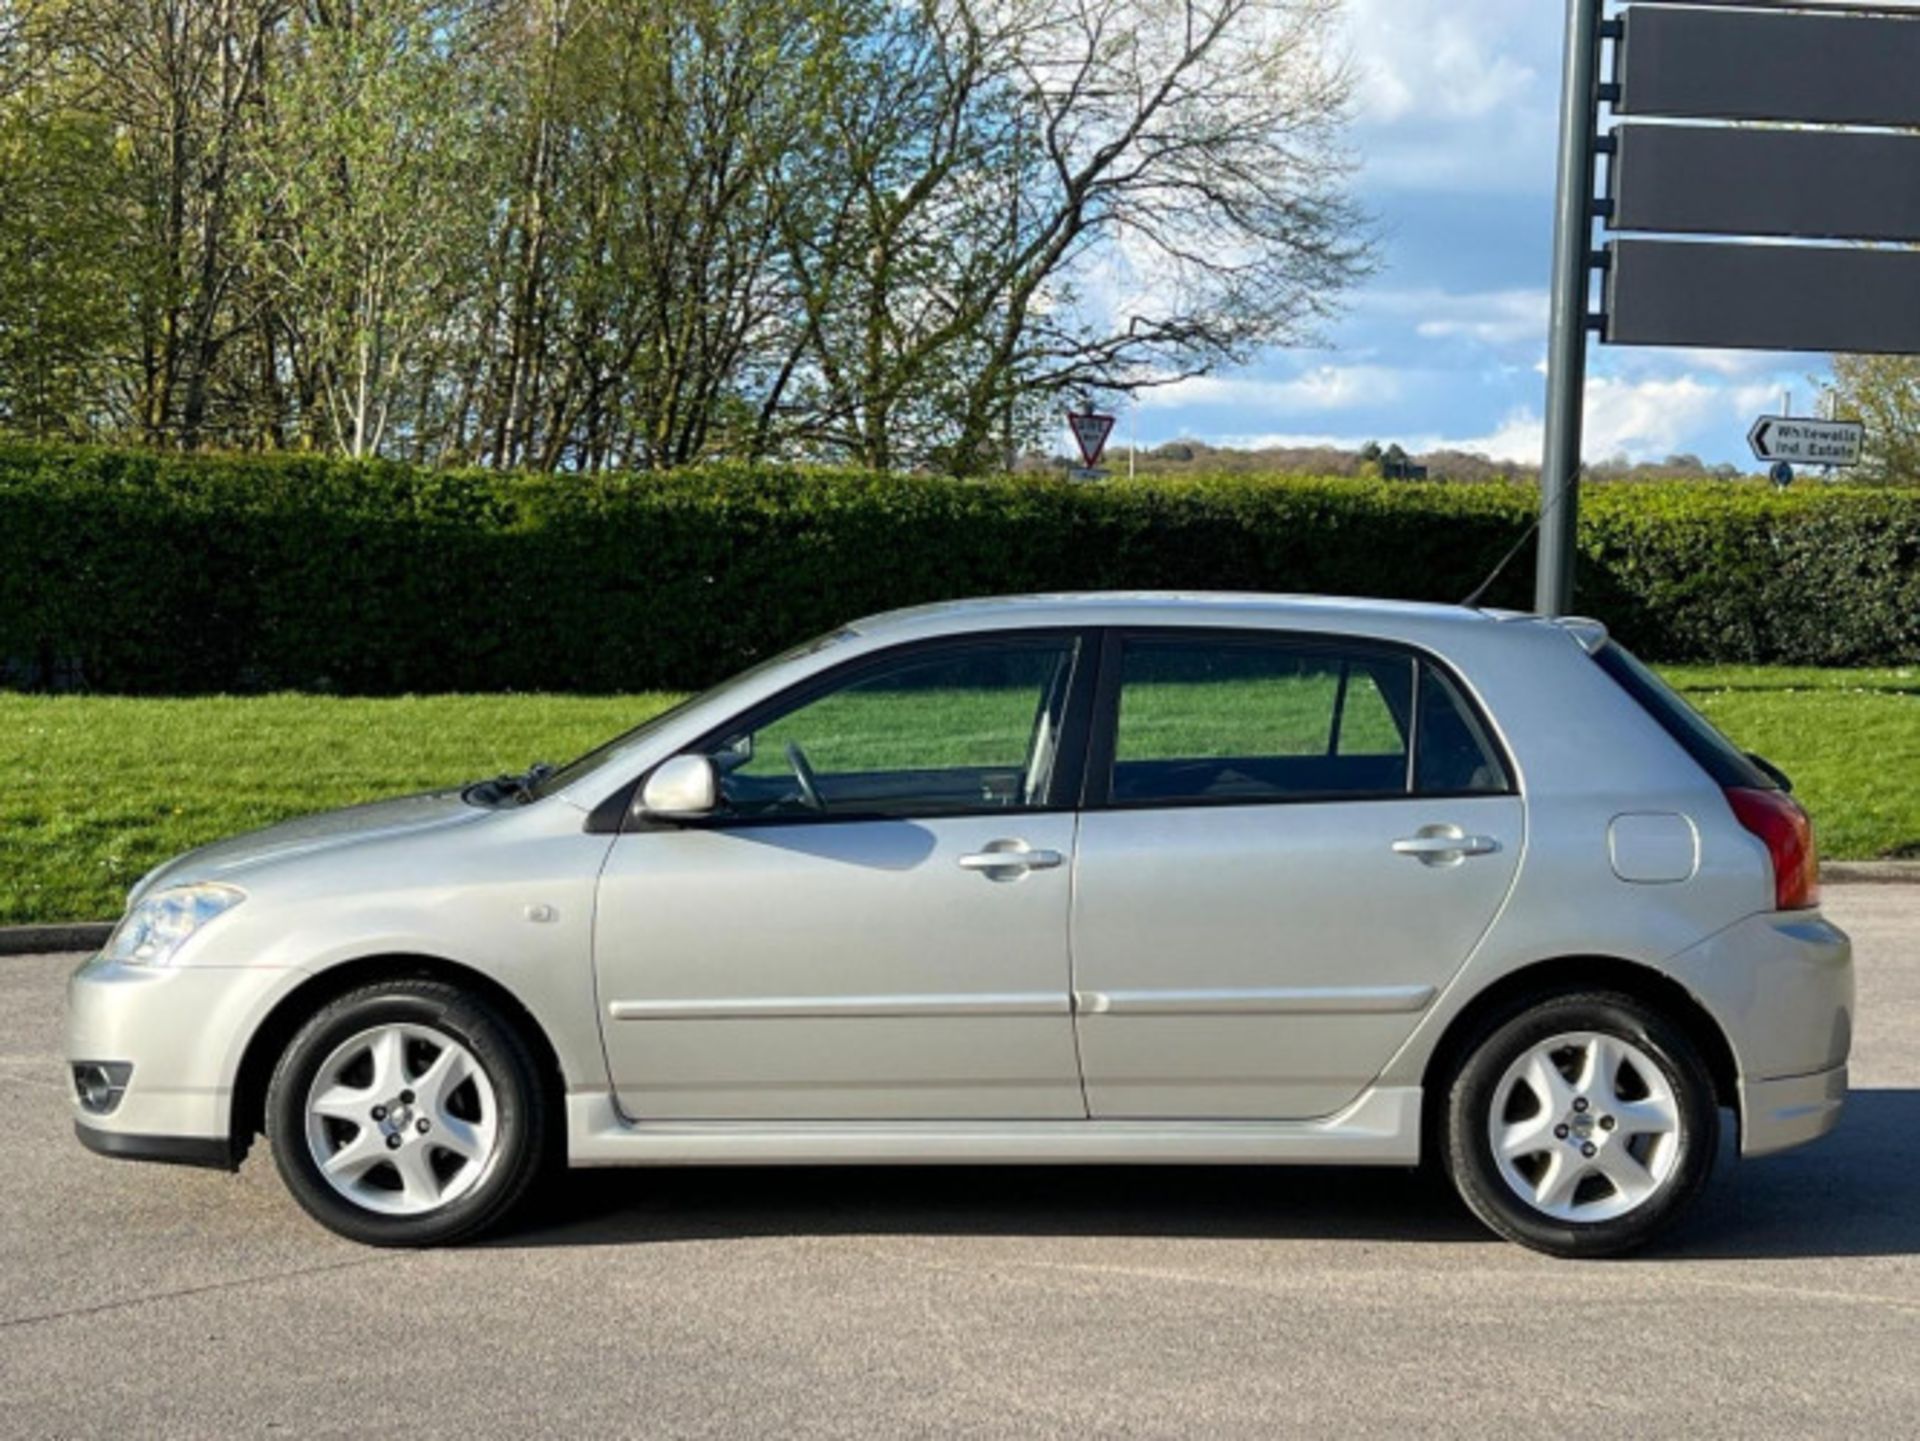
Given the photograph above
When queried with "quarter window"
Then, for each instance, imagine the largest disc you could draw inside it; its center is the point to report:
(1453, 755)
(933, 733)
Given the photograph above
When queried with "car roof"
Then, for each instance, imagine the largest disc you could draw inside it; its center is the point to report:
(1184, 608)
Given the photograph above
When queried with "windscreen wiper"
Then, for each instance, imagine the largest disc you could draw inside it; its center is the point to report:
(508, 786)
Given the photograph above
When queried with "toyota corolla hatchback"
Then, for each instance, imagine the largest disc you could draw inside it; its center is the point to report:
(1239, 880)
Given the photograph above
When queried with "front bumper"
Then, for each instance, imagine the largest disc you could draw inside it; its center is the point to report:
(218, 1152)
(183, 1030)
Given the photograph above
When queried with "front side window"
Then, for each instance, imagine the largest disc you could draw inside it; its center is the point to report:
(935, 732)
(1205, 720)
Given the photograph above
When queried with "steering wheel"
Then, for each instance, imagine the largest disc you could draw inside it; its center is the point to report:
(803, 773)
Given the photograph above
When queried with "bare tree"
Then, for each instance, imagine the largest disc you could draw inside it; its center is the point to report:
(1072, 195)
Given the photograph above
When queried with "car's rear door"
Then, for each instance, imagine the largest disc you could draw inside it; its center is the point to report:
(875, 924)
(1291, 843)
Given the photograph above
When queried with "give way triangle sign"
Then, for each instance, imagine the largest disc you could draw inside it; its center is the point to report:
(1090, 432)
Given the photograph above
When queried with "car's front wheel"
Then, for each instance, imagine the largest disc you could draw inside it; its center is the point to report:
(1583, 1125)
(407, 1113)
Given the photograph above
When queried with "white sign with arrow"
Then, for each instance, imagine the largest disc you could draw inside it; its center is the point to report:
(1807, 442)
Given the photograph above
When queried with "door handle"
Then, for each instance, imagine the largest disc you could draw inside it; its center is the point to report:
(1435, 845)
(1009, 857)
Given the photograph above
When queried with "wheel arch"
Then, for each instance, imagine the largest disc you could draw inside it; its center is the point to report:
(247, 1114)
(1561, 975)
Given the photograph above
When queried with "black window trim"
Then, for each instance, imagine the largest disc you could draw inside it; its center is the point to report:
(1064, 785)
(1097, 779)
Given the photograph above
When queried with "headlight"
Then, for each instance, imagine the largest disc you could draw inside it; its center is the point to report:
(160, 924)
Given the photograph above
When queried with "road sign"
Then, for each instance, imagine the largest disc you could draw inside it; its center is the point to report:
(1736, 63)
(1846, 68)
(1763, 297)
(1090, 432)
(1810, 442)
(1781, 475)
(1754, 180)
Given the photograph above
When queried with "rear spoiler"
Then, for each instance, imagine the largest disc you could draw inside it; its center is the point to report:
(1590, 633)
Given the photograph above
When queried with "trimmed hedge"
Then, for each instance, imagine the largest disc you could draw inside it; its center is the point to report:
(132, 572)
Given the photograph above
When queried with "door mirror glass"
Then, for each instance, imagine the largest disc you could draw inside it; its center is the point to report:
(684, 788)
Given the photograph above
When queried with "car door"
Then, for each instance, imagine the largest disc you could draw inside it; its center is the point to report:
(874, 924)
(1291, 844)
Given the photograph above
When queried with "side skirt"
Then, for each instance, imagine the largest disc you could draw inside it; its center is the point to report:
(1382, 1128)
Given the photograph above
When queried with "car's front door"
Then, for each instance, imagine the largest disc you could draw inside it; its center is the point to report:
(1291, 846)
(874, 925)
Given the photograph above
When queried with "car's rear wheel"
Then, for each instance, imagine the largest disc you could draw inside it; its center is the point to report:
(407, 1113)
(1582, 1125)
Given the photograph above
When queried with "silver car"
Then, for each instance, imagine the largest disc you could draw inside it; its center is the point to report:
(1224, 879)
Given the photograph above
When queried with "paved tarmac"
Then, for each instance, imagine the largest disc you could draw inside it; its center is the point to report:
(143, 1300)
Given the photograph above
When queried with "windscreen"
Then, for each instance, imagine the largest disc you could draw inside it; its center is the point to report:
(592, 761)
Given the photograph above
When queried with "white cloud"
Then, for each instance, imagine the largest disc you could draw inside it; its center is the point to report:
(1456, 94)
(1298, 440)
(1325, 388)
(1435, 58)
(1644, 419)
(1497, 317)
(1641, 419)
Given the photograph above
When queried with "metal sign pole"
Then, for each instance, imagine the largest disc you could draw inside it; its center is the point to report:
(1567, 341)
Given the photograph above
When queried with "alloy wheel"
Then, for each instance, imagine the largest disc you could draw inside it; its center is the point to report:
(401, 1119)
(1585, 1127)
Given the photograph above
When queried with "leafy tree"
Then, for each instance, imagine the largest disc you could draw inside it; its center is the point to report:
(368, 223)
(1883, 393)
(59, 320)
(574, 234)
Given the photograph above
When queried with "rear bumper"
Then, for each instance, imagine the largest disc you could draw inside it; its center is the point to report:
(1781, 986)
(1791, 1111)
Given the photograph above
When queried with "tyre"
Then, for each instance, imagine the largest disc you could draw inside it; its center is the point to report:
(408, 1113)
(1583, 1125)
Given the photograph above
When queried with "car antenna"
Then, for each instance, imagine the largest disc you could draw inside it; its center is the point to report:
(1474, 597)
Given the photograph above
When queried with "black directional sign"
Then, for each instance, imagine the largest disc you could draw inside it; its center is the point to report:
(1763, 297)
(1749, 180)
(1755, 182)
(1745, 123)
(1726, 63)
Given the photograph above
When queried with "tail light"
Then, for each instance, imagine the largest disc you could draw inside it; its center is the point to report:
(1777, 819)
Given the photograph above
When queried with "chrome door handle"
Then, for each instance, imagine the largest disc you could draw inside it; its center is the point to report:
(1439, 845)
(1010, 856)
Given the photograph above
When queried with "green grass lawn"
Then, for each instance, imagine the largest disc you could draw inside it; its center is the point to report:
(1850, 739)
(98, 789)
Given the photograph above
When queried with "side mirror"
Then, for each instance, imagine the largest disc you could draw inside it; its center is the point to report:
(684, 788)
(734, 754)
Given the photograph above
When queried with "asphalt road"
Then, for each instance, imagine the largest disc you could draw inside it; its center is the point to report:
(141, 1300)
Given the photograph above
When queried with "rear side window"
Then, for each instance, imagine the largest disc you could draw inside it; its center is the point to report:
(1217, 720)
(1717, 756)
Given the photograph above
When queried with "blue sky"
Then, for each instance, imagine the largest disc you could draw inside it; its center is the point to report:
(1455, 130)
